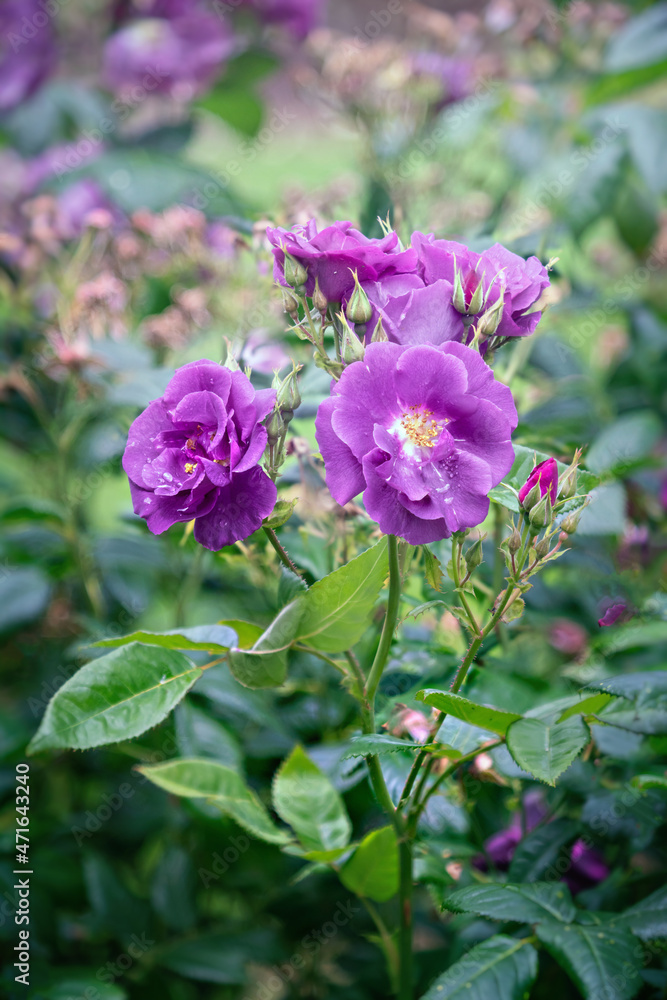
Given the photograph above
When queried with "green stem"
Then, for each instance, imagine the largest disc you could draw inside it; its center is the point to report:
(405, 926)
(388, 942)
(390, 620)
(420, 806)
(282, 554)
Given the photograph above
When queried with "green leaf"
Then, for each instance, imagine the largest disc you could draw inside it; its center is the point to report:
(545, 751)
(240, 108)
(247, 634)
(501, 967)
(640, 42)
(627, 440)
(494, 719)
(586, 706)
(305, 798)
(644, 682)
(526, 904)
(432, 569)
(337, 609)
(208, 638)
(77, 984)
(265, 664)
(539, 849)
(597, 958)
(377, 743)
(115, 697)
(198, 778)
(647, 920)
(645, 781)
(372, 871)
(642, 705)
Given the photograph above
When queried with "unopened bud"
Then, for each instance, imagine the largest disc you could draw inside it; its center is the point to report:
(288, 397)
(379, 334)
(319, 298)
(514, 541)
(489, 321)
(358, 308)
(294, 271)
(542, 548)
(477, 298)
(230, 362)
(570, 522)
(531, 498)
(275, 428)
(290, 304)
(567, 484)
(541, 515)
(352, 348)
(473, 556)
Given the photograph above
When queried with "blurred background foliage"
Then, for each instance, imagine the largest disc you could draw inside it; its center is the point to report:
(132, 217)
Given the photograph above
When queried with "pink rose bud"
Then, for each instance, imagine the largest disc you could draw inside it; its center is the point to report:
(545, 477)
(612, 614)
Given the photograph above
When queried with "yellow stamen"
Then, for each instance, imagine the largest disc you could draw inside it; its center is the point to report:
(190, 467)
(419, 428)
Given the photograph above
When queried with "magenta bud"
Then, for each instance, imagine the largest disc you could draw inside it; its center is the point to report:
(545, 477)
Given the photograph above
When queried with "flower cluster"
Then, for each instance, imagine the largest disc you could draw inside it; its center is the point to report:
(434, 292)
(416, 420)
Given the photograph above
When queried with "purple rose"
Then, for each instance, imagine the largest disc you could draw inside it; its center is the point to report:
(334, 253)
(195, 453)
(500, 272)
(523, 282)
(180, 56)
(545, 477)
(586, 867)
(424, 432)
(27, 50)
(412, 311)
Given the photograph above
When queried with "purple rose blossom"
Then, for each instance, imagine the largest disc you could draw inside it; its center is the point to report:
(333, 254)
(27, 50)
(424, 432)
(544, 475)
(413, 311)
(195, 453)
(180, 56)
(501, 272)
(587, 866)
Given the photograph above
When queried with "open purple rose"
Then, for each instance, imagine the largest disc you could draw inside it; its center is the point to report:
(544, 475)
(500, 272)
(333, 254)
(195, 453)
(424, 432)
